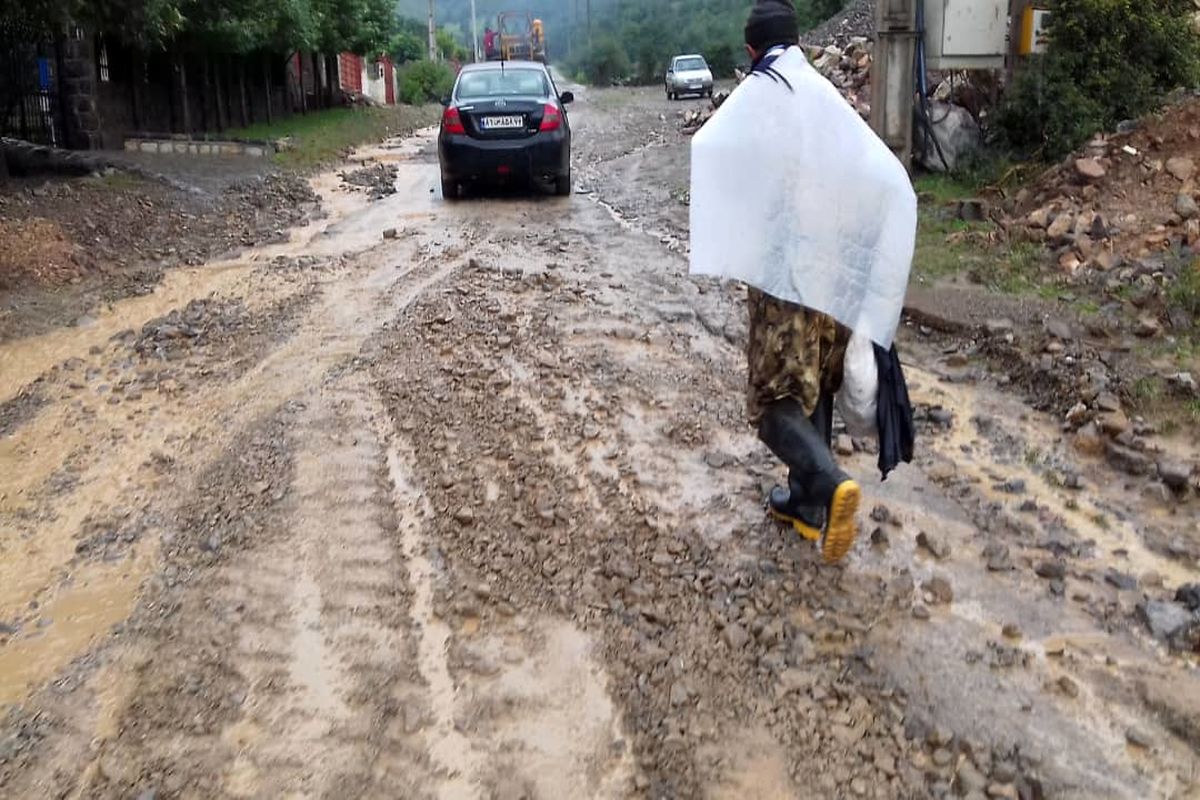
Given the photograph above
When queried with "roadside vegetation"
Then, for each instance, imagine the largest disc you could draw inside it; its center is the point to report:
(323, 136)
(1098, 74)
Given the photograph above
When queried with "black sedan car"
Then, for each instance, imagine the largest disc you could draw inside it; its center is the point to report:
(505, 122)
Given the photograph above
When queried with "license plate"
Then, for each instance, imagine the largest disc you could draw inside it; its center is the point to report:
(500, 123)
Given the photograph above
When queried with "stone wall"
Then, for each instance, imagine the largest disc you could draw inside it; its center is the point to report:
(77, 85)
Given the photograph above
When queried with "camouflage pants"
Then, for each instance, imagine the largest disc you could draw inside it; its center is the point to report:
(792, 352)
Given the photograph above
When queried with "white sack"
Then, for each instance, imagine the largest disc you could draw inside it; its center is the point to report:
(794, 194)
(858, 398)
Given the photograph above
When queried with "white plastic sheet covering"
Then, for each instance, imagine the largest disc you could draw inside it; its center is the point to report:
(794, 194)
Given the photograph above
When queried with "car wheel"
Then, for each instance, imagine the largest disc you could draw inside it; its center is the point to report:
(562, 185)
(450, 190)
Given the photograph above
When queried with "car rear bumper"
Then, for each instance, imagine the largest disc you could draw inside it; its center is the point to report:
(544, 156)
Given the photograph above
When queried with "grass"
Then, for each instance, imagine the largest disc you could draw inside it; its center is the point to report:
(948, 247)
(323, 136)
(1147, 389)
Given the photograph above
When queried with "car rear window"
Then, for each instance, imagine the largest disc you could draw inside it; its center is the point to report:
(689, 64)
(502, 83)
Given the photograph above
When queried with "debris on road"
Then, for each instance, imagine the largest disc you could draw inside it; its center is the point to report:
(378, 181)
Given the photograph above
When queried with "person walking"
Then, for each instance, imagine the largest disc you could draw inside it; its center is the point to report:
(793, 195)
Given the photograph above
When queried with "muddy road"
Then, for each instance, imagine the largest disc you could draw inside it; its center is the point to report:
(458, 501)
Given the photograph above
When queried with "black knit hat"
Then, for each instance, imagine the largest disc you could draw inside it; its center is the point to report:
(772, 22)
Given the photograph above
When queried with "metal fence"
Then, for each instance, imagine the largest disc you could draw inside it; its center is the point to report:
(29, 99)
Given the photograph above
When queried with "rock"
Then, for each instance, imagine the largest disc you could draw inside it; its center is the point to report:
(1089, 441)
(933, 544)
(998, 557)
(1183, 382)
(970, 779)
(1185, 206)
(1165, 619)
(1114, 423)
(958, 137)
(1051, 570)
(942, 757)
(1059, 329)
(1003, 791)
(1062, 225)
(920, 612)
(1107, 402)
(998, 327)
(1120, 580)
(941, 416)
(879, 538)
(1181, 168)
(1128, 460)
(464, 517)
(1077, 414)
(391, 233)
(844, 445)
(1189, 596)
(1175, 475)
(736, 636)
(1068, 687)
(939, 590)
(1138, 738)
(1090, 169)
(1011, 631)
(1147, 327)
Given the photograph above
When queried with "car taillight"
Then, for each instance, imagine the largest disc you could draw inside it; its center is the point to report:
(551, 119)
(452, 121)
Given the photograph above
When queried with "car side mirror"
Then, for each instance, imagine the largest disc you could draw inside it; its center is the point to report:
(446, 101)
(566, 98)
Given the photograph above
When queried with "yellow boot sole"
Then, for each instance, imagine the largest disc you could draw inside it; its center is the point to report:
(806, 531)
(842, 528)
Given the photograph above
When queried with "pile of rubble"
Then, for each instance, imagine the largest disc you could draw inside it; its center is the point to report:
(694, 119)
(848, 68)
(378, 181)
(855, 21)
(1127, 201)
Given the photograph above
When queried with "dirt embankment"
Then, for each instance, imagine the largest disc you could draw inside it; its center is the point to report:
(70, 243)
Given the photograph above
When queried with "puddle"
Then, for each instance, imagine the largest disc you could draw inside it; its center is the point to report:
(99, 596)
(24, 360)
(1039, 435)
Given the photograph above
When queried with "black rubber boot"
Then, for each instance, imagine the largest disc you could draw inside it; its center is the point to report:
(814, 478)
(788, 504)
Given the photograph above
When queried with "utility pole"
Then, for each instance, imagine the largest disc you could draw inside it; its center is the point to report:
(474, 34)
(432, 32)
(892, 81)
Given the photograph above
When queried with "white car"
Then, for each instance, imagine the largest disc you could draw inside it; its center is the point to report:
(689, 75)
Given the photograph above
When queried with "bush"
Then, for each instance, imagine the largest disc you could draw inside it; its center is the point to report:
(605, 63)
(425, 82)
(1109, 60)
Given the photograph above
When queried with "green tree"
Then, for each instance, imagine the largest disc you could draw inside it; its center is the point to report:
(1098, 73)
